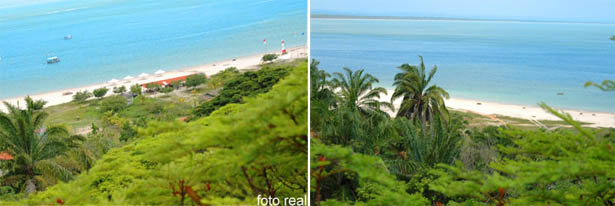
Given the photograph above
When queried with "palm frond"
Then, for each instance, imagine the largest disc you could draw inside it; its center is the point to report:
(51, 168)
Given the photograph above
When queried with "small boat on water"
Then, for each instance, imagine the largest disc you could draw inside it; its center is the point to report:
(560, 93)
(68, 37)
(53, 60)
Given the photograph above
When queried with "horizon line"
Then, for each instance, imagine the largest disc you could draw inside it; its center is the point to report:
(381, 17)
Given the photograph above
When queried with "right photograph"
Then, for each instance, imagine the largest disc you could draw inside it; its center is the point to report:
(462, 102)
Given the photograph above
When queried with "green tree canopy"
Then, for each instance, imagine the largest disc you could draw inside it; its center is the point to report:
(33, 147)
(81, 96)
(247, 84)
(269, 57)
(356, 92)
(100, 92)
(195, 80)
(420, 100)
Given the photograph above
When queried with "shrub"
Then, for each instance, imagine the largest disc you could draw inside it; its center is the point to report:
(127, 132)
(166, 90)
(247, 84)
(100, 92)
(152, 87)
(114, 104)
(195, 80)
(81, 96)
(135, 89)
(176, 84)
(220, 78)
(269, 57)
(119, 90)
(94, 129)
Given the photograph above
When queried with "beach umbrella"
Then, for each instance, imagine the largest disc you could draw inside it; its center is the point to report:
(143, 75)
(159, 72)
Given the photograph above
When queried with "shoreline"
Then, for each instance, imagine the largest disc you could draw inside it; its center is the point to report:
(241, 63)
(529, 112)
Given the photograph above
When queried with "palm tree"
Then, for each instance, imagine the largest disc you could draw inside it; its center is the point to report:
(419, 99)
(34, 105)
(355, 92)
(354, 111)
(33, 147)
(319, 85)
(322, 98)
(415, 150)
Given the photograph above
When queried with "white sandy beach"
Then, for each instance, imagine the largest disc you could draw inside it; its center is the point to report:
(597, 119)
(241, 63)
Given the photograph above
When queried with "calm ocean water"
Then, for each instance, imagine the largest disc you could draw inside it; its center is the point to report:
(509, 62)
(116, 38)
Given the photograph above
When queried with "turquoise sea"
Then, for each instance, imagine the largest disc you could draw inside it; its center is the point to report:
(116, 38)
(501, 61)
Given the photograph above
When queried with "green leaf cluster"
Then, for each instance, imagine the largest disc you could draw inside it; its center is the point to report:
(559, 167)
(368, 174)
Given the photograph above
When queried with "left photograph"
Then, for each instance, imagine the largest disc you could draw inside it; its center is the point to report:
(115, 102)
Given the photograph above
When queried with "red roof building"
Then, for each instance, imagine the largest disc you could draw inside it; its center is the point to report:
(164, 82)
(5, 156)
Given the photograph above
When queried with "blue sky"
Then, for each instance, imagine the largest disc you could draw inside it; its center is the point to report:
(559, 10)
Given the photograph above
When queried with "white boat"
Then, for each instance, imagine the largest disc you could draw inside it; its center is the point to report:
(68, 37)
(53, 60)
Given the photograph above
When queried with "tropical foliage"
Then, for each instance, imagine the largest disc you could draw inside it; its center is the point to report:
(33, 147)
(427, 155)
(356, 93)
(81, 96)
(606, 85)
(239, 151)
(419, 99)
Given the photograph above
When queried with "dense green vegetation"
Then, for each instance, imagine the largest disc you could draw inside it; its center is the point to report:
(137, 150)
(195, 80)
(33, 148)
(100, 92)
(427, 155)
(81, 96)
(269, 57)
(243, 85)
